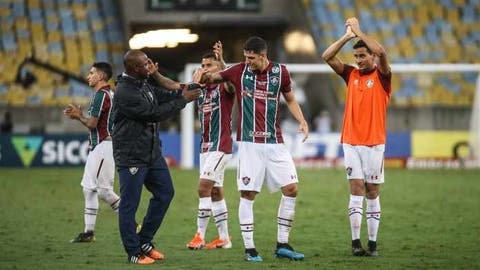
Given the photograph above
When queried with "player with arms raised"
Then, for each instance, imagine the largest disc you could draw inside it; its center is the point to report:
(363, 133)
(259, 83)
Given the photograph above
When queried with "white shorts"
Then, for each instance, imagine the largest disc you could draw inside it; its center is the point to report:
(100, 167)
(212, 166)
(364, 162)
(263, 161)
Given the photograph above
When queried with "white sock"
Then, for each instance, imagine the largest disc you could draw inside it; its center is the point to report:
(91, 209)
(373, 217)
(245, 216)
(110, 197)
(220, 215)
(286, 213)
(204, 210)
(355, 213)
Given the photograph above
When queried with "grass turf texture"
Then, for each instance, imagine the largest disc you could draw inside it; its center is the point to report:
(430, 220)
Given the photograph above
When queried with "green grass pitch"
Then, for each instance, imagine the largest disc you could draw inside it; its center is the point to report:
(430, 220)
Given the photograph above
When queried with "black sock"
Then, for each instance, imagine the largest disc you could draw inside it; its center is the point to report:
(372, 245)
(356, 243)
(252, 251)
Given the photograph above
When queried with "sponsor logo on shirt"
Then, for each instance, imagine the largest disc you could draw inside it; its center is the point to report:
(260, 134)
(249, 77)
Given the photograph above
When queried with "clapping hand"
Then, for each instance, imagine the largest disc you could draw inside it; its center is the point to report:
(354, 26)
(152, 67)
(73, 111)
(218, 50)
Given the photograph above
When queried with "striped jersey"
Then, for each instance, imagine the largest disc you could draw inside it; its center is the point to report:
(101, 108)
(258, 98)
(215, 115)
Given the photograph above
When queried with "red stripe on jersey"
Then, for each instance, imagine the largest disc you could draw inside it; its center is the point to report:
(226, 106)
(206, 121)
(102, 125)
(260, 111)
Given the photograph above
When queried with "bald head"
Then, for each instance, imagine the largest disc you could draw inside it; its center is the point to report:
(135, 63)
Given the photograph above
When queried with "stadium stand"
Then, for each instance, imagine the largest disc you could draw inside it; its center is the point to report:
(67, 34)
(412, 31)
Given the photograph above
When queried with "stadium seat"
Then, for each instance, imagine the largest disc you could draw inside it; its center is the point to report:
(444, 31)
(59, 32)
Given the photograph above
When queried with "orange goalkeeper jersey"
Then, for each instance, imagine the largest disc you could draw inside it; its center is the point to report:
(364, 119)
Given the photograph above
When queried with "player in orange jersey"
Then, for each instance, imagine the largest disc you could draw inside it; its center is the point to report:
(363, 132)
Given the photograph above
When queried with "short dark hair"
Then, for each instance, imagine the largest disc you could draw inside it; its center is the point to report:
(104, 67)
(210, 55)
(360, 44)
(255, 44)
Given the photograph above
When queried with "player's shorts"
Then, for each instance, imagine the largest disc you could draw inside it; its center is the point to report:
(364, 162)
(263, 161)
(212, 166)
(100, 167)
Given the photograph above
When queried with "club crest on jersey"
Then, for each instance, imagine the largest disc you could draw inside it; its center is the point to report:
(215, 93)
(246, 180)
(274, 80)
(370, 83)
(133, 170)
(349, 170)
(275, 69)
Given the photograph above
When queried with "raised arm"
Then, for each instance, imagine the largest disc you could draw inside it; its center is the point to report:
(162, 81)
(372, 44)
(295, 110)
(209, 78)
(330, 54)
(218, 50)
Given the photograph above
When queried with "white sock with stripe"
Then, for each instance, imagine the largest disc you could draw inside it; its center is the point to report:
(220, 215)
(245, 216)
(110, 197)
(373, 218)
(286, 213)
(91, 209)
(355, 213)
(204, 212)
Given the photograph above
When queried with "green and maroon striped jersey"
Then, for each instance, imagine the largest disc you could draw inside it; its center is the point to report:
(258, 98)
(215, 115)
(101, 107)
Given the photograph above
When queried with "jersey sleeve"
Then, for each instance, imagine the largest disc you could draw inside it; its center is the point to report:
(232, 73)
(286, 80)
(97, 105)
(386, 80)
(347, 69)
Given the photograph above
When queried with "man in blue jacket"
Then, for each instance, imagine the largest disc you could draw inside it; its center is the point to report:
(137, 109)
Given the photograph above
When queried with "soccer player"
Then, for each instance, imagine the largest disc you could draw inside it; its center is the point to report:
(215, 115)
(262, 155)
(363, 133)
(99, 173)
